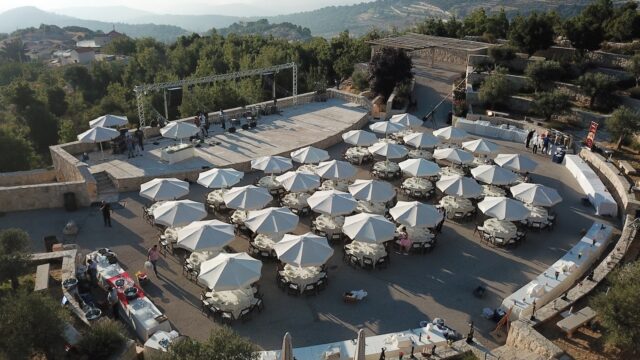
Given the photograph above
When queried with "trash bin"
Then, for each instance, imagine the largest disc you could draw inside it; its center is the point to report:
(70, 203)
(558, 157)
(49, 241)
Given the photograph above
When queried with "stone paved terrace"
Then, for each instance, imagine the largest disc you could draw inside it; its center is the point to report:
(317, 123)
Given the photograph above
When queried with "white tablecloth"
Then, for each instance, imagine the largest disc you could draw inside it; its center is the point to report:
(357, 154)
(592, 186)
(198, 257)
(330, 225)
(420, 154)
(171, 233)
(301, 276)
(500, 228)
(538, 214)
(454, 204)
(266, 242)
(143, 313)
(484, 128)
(492, 190)
(231, 300)
(387, 140)
(365, 206)
(215, 197)
(401, 134)
(153, 207)
(295, 200)
(417, 184)
(419, 234)
(307, 168)
(451, 171)
(387, 167)
(361, 249)
(238, 217)
(269, 182)
(340, 185)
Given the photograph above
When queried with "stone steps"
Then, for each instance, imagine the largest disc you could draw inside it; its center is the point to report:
(106, 190)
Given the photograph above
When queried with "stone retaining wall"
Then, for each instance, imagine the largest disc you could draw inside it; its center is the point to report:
(30, 177)
(600, 58)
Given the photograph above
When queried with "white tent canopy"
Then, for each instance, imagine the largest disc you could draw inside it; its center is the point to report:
(450, 133)
(272, 164)
(503, 208)
(109, 121)
(179, 213)
(220, 178)
(386, 127)
(461, 186)
(230, 272)
(164, 189)
(372, 190)
(481, 146)
(493, 174)
(179, 130)
(421, 140)
(335, 170)
(248, 197)
(515, 162)
(359, 138)
(310, 155)
(415, 214)
(368, 228)
(420, 167)
(536, 194)
(204, 235)
(294, 181)
(303, 250)
(332, 202)
(388, 150)
(406, 120)
(271, 220)
(457, 156)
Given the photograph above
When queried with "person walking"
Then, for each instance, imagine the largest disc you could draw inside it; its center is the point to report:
(106, 213)
(139, 135)
(130, 146)
(529, 136)
(545, 144)
(222, 120)
(153, 255)
(204, 124)
(535, 144)
(112, 299)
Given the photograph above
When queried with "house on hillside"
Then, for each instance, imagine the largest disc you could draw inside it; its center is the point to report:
(83, 55)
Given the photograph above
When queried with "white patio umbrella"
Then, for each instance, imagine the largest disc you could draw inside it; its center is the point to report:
(248, 197)
(230, 271)
(494, 174)
(109, 121)
(369, 228)
(272, 164)
(303, 250)
(271, 220)
(457, 156)
(294, 181)
(386, 127)
(421, 140)
(287, 348)
(335, 170)
(179, 130)
(98, 135)
(208, 234)
(450, 133)
(179, 212)
(406, 120)
(481, 146)
(332, 202)
(503, 208)
(388, 150)
(359, 138)
(220, 178)
(372, 190)
(419, 167)
(536, 194)
(164, 189)
(461, 186)
(515, 162)
(310, 155)
(361, 352)
(415, 214)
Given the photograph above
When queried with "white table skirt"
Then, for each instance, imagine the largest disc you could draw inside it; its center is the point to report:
(361, 249)
(485, 129)
(592, 186)
(454, 204)
(302, 276)
(500, 228)
(330, 225)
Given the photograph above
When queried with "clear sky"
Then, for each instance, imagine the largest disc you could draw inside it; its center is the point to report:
(179, 7)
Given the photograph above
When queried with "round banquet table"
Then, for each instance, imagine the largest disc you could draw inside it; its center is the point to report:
(387, 168)
(329, 225)
(477, 161)
(492, 190)
(361, 249)
(269, 182)
(153, 207)
(357, 155)
(420, 154)
(500, 228)
(418, 234)
(340, 185)
(388, 140)
(296, 200)
(370, 207)
(401, 134)
(198, 257)
(307, 168)
(454, 204)
(451, 171)
(538, 214)
(216, 197)
(231, 300)
(266, 242)
(171, 233)
(417, 184)
(302, 276)
(239, 216)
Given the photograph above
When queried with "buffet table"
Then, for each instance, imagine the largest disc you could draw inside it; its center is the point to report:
(177, 153)
(486, 129)
(592, 186)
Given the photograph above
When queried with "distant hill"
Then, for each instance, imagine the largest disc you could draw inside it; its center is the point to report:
(24, 17)
(262, 27)
(103, 13)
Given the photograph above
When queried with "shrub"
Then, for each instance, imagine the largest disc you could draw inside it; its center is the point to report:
(634, 92)
(360, 80)
(102, 340)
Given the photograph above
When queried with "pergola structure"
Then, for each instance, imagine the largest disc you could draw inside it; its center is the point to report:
(433, 47)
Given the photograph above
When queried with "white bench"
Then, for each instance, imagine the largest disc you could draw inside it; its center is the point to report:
(626, 167)
(42, 277)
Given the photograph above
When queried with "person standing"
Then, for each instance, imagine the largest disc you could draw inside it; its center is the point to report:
(106, 213)
(529, 136)
(545, 144)
(92, 271)
(222, 121)
(130, 146)
(112, 299)
(153, 255)
(139, 135)
(535, 144)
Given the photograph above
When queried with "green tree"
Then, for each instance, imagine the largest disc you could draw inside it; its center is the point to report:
(495, 90)
(14, 256)
(78, 77)
(634, 67)
(16, 152)
(543, 72)
(623, 123)
(56, 101)
(102, 340)
(222, 344)
(43, 126)
(586, 31)
(502, 54)
(31, 325)
(618, 309)
(360, 80)
(532, 33)
(598, 87)
(123, 45)
(13, 50)
(67, 132)
(551, 103)
(389, 67)
(625, 23)
(20, 94)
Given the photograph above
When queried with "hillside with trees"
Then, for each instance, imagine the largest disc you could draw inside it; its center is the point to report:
(286, 31)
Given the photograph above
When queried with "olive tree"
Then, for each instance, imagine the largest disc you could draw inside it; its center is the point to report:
(14, 255)
(551, 103)
(495, 90)
(222, 344)
(623, 123)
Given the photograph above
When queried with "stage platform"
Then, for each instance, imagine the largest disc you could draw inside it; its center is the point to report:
(319, 124)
